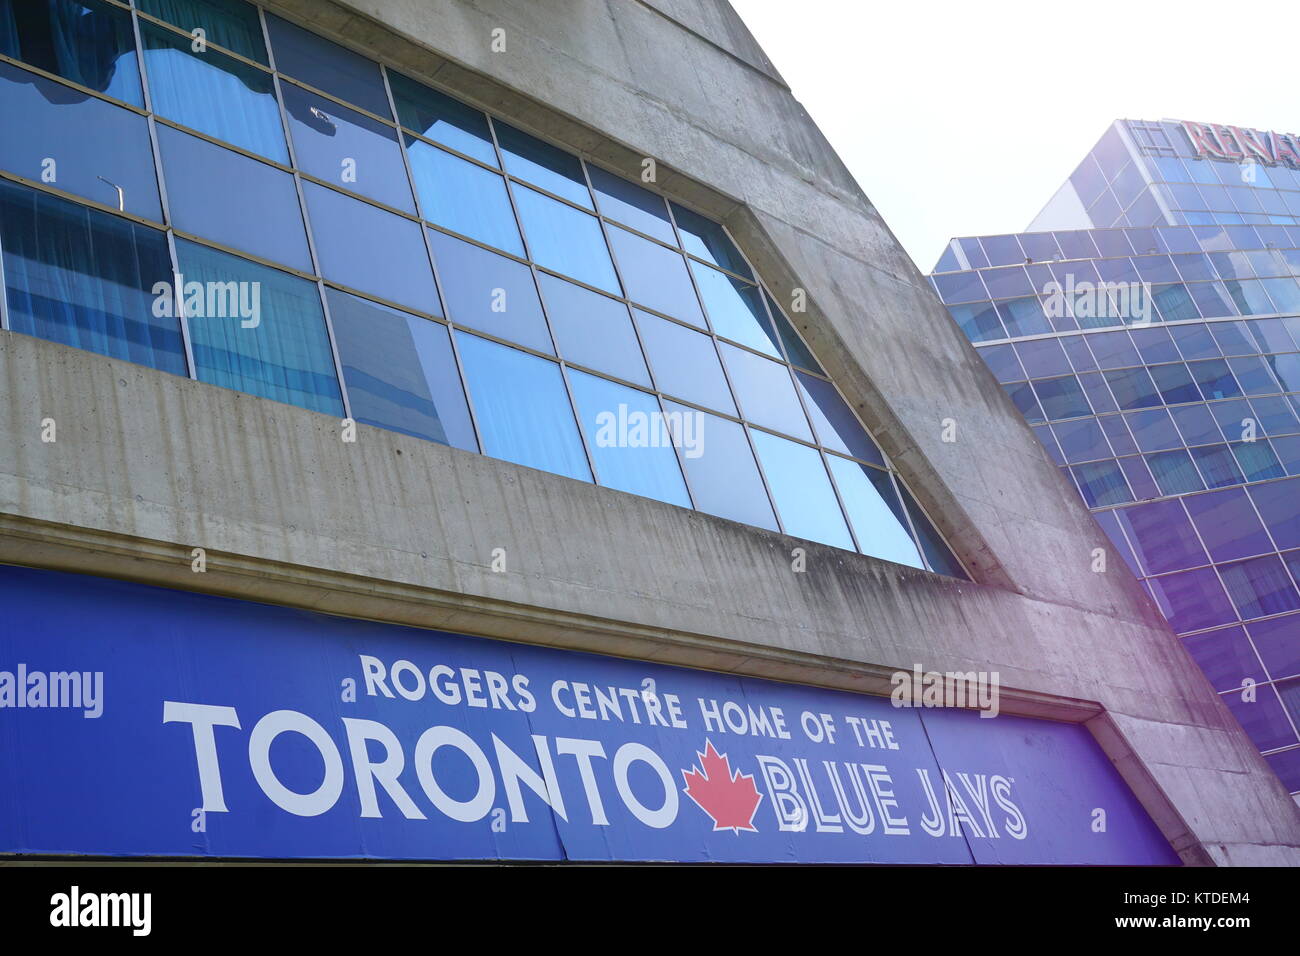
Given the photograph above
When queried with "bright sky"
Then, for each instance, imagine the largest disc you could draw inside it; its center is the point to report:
(963, 119)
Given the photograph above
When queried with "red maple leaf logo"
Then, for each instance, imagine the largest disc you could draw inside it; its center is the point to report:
(730, 799)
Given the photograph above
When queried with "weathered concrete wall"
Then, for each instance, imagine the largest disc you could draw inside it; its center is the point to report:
(148, 465)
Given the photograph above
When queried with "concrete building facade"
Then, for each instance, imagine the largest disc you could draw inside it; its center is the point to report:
(148, 466)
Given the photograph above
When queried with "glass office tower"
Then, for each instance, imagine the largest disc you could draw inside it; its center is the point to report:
(1148, 327)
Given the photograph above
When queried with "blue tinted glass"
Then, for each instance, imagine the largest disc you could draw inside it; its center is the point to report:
(1192, 600)
(795, 350)
(735, 310)
(959, 287)
(442, 119)
(364, 247)
(489, 292)
(84, 41)
(979, 321)
(708, 240)
(593, 330)
(1228, 524)
(522, 408)
(282, 352)
(463, 197)
(1257, 461)
(327, 66)
(1133, 388)
(399, 371)
(1253, 375)
(803, 494)
(232, 24)
(1276, 502)
(98, 146)
(1022, 396)
(1194, 341)
(655, 277)
(542, 164)
(1226, 657)
(1094, 386)
(723, 477)
(1155, 346)
(630, 440)
(629, 203)
(835, 424)
(1153, 429)
(1114, 349)
(1062, 398)
(1215, 379)
(233, 199)
(1262, 718)
(1023, 317)
(1082, 440)
(86, 279)
(213, 93)
(1217, 464)
(1043, 357)
(1162, 536)
(765, 392)
(1278, 643)
(1260, 587)
(1196, 424)
(874, 511)
(1101, 483)
(1174, 383)
(1003, 363)
(1174, 472)
(565, 239)
(937, 554)
(346, 148)
(685, 363)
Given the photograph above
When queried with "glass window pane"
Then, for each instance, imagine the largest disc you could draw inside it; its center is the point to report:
(565, 239)
(875, 512)
(593, 330)
(1257, 461)
(86, 279)
(542, 164)
(1218, 466)
(724, 478)
(1262, 718)
(655, 277)
(399, 371)
(283, 353)
(804, 498)
(232, 24)
(795, 350)
(735, 310)
(367, 248)
(1062, 398)
(630, 439)
(213, 93)
(629, 203)
(462, 197)
(1226, 657)
(1228, 524)
(1276, 502)
(84, 41)
(1192, 600)
(489, 292)
(937, 554)
(442, 119)
(346, 148)
(327, 66)
(232, 199)
(97, 146)
(1162, 536)
(1101, 483)
(1174, 472)
(1133, 388)
(978, 321)
(765, 392)
(835, 424)
(707, 239)
(1260, 587)
(1278, 643)
(685, 363)
(522, 408)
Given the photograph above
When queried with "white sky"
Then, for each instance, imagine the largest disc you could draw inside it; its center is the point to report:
(963, 119)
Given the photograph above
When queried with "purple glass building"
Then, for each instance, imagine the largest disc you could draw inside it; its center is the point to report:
(1148, 327)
